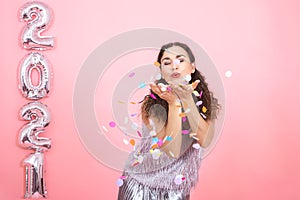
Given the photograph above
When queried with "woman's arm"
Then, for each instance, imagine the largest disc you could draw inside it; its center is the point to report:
(173, 126)
(204, 129)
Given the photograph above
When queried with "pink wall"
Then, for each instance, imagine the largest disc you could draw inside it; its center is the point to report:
(257, 156)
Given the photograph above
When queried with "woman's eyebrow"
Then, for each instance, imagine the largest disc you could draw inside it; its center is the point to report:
(180, 55)
(166, 58)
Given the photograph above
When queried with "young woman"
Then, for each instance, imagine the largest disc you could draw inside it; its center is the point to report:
(178, 121)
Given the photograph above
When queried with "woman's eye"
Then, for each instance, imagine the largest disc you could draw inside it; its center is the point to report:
(166, 63)
(181, 60)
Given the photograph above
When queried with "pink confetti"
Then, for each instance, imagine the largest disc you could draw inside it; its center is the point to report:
(139, 133)
(185, 132)
(112, 124)
(131, 74)
(153, 96)
(169, 88)
(133, 115)
(200, 94)
(199, 103)
(183, 119)
(123, 177)
(160, 142)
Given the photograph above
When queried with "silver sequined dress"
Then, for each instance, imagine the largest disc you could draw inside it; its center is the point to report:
(154, 179)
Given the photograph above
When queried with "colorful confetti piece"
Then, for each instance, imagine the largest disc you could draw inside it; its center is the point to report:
(156, 153)
(133, 115)
(152, 133)
(142, 85)
(132, 102)
(123, 177)
(112, 124)
(200, 95)
(105, 128)
(176, 62)
(125, 141)
(131, 75)
(184, 119)
(171, 153)
(119, 182)
(157, 64)
(187, 110)
(155, 140)
(160, 142)
(185, 132)
(152, 96)
(122, 102)
(182, 114)
(204, 109)
(178, 179)
(187, 77)
(196, 93)
(132, 142)
(203, 115)
(196, 146)
(199, 103)
(158, 76)
(139, 133)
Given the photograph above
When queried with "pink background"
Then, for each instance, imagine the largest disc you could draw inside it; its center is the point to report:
(257, 156)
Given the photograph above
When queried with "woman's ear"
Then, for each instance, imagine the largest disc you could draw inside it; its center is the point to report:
(194, 68)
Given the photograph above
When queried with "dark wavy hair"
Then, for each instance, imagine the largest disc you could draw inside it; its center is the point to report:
(207, 97)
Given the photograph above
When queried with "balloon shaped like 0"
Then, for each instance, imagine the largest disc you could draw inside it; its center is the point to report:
(38, 16)
(39, 117)
(34, 61)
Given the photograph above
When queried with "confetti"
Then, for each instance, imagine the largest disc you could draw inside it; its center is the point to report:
(133, 115)
(156, 153)
(123, 177)
(228, 73)
(178, 179)
(154, 146)
(169, 88)
(135, 163)
(105, 128)
(187, 77)
(171, 153)
(187, 110)
(139, 133)
(119, 182)
(169, 138)
(199, 103)
(157, 64)
(183, 119)
(196, 93)
(132, 142)
(185, 132)
(200, 95)
(195, 138)
(176, 62)
(153, 96)
(132, 102)
(182, 114)
(152, 133)
(142, 85)
(155, 140)
(203, 115)
(131, 75)
(112, 124)
(158, 76)
(204, 109)
(160, 142)
(196, 146)
(125, 141)
(122, 102)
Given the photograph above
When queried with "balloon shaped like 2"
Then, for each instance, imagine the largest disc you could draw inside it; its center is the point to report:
(38, 17)
(39, 117)
(29, 90)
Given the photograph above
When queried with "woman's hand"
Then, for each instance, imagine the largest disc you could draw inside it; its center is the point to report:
(165, 94)
(184, 91)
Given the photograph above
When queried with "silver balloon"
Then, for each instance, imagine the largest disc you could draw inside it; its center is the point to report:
(35, 186)
(34, 61)
(39, 117)
(38, 16)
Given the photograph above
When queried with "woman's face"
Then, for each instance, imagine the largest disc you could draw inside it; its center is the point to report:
(176, 66)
